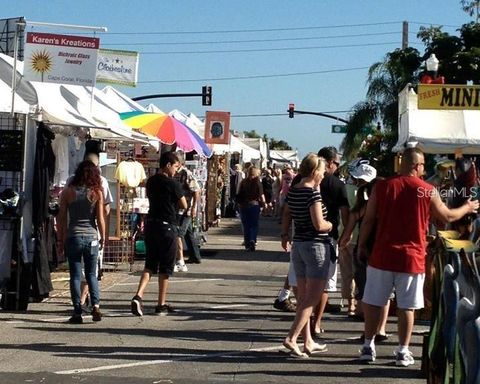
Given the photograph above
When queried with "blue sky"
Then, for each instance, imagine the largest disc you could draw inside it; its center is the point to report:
(333, 41)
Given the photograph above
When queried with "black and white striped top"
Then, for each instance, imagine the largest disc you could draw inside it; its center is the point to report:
(299, 202)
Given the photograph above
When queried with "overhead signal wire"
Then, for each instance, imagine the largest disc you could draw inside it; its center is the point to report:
(253, 30)
(268, 49)
(259, 40)
(254, 76)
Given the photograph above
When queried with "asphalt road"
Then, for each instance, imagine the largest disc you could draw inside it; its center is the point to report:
(225, 330)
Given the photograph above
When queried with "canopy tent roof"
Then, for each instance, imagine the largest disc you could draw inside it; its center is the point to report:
(153, 108)
(236, 145)
(25, 95)
(121, 102)
(436, 131)
(59, 104)
(284, 157)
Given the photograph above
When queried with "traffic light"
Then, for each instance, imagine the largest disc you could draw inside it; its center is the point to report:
(206, 95)
(291, 110)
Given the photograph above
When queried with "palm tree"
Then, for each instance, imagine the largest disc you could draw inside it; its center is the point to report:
(385, 80)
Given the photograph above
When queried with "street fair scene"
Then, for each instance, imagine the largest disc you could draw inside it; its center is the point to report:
(157, 244)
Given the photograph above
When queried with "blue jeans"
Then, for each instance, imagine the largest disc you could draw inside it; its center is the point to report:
(250, 214)
(187, 234)
(77, 247)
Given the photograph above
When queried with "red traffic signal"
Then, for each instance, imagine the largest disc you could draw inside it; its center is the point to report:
(291, 110)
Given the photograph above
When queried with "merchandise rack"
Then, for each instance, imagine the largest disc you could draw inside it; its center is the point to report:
(12, 142)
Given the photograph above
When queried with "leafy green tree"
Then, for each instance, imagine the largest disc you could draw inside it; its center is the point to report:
(278, 144)
(385, 80)
(271, 142)
(459, 58)
(471, 7)
(252, 134)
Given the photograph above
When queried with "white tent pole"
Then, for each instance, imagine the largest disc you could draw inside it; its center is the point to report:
(56, 25)
(14, 72)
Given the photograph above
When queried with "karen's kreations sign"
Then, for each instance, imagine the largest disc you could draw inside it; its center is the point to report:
(447, 96)
(63, 59)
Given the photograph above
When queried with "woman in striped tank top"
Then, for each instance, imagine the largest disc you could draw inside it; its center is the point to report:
(310, 250)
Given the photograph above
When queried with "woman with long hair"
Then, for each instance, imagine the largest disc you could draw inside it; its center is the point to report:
(250, 198)
(310, 250)
(81, 233)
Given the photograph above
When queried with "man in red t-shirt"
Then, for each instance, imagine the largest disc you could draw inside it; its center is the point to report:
(400, 209)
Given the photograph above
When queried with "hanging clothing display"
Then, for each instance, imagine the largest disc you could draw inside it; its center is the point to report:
(6, 238)
(38, 275)
(44, 169)
(76, 151)
(44, 246)
(130, 173)
(60, 150)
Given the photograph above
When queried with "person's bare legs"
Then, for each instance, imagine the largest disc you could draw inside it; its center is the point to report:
(372, 315)
(144, 279)
(405, 326)
(290, 341)
(318, 313)
(308, 294)
(383, 319)
(180, 251)
(83, 292)
(162, 288)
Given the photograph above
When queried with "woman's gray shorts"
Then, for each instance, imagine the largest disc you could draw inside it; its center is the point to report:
(311, 259)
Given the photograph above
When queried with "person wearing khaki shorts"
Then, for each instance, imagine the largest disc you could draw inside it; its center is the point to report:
(400, 209)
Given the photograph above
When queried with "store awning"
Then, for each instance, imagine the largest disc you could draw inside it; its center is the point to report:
(436, 131)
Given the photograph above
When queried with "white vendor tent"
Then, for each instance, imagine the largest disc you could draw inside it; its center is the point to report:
(236, 145)
(121, 102)
(153, 108)
(282, 157)
(25, 95)
(58, 104)
(436, 131)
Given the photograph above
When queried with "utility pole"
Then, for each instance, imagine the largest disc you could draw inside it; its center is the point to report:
(405, 35)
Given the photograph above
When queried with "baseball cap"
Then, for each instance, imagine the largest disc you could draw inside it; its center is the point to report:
(364, 172)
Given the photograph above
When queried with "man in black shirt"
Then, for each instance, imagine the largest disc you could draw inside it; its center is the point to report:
(165, 197)
(334, 196)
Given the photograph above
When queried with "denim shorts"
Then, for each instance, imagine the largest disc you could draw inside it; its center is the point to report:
(311, 259)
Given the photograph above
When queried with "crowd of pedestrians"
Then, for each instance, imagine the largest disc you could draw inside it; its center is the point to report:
(374, 228)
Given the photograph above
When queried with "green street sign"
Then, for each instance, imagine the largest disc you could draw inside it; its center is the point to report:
(336, 128)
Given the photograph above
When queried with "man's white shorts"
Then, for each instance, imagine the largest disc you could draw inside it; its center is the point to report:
(331, 285)
(292, 277)
(408, 288)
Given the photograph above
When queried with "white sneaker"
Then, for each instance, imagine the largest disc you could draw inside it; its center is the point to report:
(403, 359)
(180, 268)
(367, 354)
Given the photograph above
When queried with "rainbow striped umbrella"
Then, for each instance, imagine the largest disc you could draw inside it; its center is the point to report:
(167, 129)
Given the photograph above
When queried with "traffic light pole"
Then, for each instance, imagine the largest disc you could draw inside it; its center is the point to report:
(138, 98)
(320, 114)
(206, 95)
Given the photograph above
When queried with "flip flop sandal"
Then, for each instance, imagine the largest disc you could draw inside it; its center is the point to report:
(317, 348)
